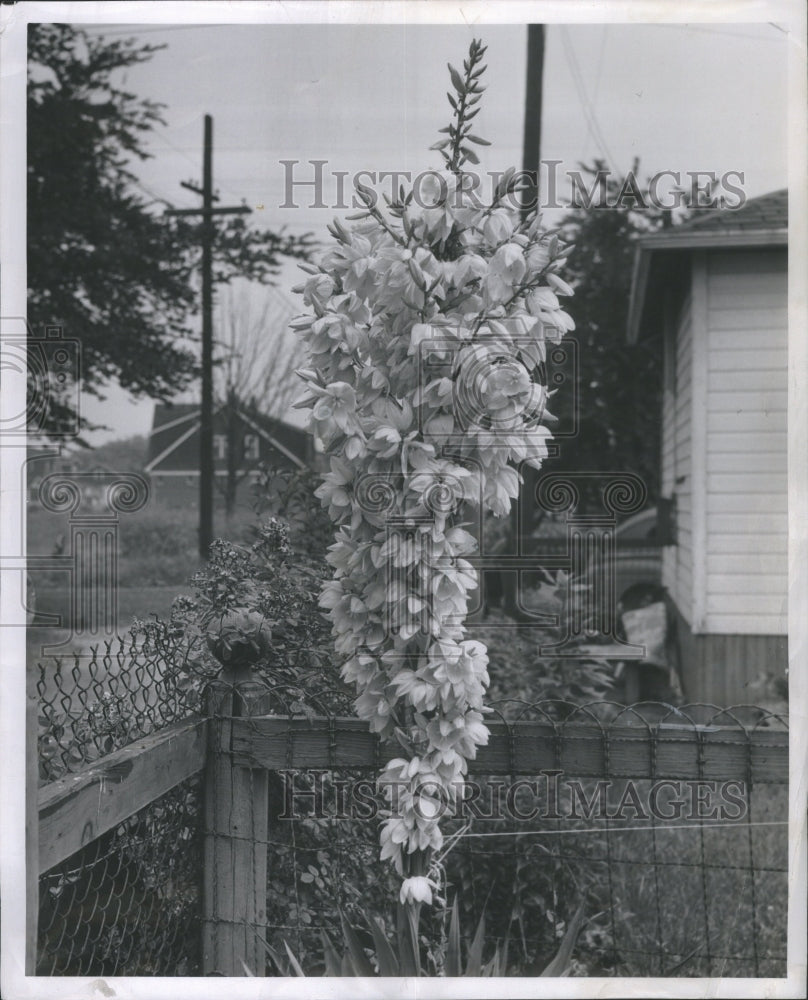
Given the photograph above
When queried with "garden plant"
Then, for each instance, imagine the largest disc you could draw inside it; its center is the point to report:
(426, 337)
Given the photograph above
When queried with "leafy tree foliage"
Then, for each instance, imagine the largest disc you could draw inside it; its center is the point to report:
(123, 454)
(618, 385)
(102, 261)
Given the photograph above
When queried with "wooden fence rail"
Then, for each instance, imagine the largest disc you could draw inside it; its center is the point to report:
(580, 749)
(236, 752)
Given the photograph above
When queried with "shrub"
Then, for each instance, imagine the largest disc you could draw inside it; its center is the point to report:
(158, 532)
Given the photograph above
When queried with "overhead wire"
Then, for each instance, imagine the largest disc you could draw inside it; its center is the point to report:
(729, 34)
(150, 29)
(152, 194)
(598, 73)
(583, 97)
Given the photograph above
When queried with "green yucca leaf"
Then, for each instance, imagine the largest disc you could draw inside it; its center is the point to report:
(297, 968)
(386, 957)
(457, 80)
(474, 965)
(407, 936)
(558, 965)
(354, 949)
(277, 960)
(453, 961)
(333, 963)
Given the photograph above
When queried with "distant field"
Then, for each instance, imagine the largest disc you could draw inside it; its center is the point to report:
(157, 556)
(133, 602)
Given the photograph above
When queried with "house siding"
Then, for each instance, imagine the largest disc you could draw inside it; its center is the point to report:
(729, 669)
(746, 488)
(676, 472)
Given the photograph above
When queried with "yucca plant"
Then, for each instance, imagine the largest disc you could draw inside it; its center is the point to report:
(385, 960)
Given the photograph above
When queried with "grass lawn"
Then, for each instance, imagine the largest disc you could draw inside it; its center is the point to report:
(157, 556)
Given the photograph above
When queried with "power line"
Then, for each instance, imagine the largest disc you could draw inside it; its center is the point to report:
(177, 149)
(161, 132)
(135, 29)
(597, 81)
(152, 194)
(729, 34)
(586, 104)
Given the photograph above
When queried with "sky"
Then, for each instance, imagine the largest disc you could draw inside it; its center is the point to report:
(707, 97)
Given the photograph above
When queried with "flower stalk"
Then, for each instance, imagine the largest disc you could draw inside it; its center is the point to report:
(426, 330)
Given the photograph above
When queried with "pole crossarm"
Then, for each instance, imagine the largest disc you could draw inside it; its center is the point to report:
(207, 212)
(189, 186)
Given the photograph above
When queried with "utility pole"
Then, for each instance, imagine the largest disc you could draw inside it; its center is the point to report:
(531, 153)
(206, 471)
(522, 511)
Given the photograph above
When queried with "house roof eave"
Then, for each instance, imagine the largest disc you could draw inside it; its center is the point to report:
(688, 240)
(729, 238)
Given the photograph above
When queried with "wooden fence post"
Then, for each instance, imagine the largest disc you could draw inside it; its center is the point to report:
(235, 845)
(31, 822)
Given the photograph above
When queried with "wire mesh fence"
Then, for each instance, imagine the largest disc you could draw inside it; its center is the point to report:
(92, 704)
(664, 898)
(128, 904)
(668, 826)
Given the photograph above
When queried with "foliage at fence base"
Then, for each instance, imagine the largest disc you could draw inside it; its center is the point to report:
(402, 957)
(637, 874)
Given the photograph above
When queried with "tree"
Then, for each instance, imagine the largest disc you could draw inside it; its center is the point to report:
(618, 385)
(102, 261)
(121, 455)
(617, 391)
(255, 372)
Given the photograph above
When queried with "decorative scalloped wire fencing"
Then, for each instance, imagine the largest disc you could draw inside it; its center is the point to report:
(667, 826)
(91, 705)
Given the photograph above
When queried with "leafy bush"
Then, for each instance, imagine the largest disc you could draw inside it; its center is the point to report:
(289, 495)
(256, 603)
(518, 669)
(158, 532)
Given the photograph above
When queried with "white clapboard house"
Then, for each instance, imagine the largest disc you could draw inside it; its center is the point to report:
(715, 288)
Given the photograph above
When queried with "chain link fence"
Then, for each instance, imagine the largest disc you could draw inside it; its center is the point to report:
(129, 902)
(92, 704)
